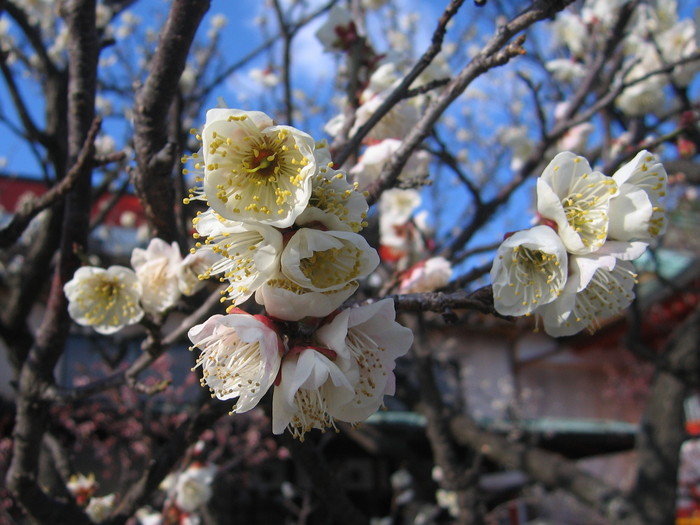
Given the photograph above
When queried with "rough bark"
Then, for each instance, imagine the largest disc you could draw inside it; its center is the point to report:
(156, 156)
(662, 431)
(37, 370)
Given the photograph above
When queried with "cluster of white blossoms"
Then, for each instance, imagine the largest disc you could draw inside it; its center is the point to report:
(282, 226)
(574, 267)
(654, 38)
(110, 299)
(282, 223)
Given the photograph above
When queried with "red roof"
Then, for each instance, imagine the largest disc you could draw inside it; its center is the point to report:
(15, 191)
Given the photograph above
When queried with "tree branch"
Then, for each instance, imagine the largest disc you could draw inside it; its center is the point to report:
(495, 53)
(347, 149)
(22, 218)
(155, 155)
(37, 370)
(548, 468)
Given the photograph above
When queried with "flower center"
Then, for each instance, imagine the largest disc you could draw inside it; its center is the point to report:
(311, 412)
(534, 274)
(107, 290)
(262, 162)
(331, 267)
(533, 263)
(586, 209)
(230, 367)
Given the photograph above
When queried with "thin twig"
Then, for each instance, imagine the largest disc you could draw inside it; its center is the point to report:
(347, 149)
(31, 209)
(130, 375)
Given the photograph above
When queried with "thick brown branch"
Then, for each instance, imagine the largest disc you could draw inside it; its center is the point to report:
(663, 425)
(37, 370)
(155, 155)
(480, 300)
(548, 468)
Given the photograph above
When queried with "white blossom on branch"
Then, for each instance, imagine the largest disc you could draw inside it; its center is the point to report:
(253, 169)
(158, 269)
(106, 300)
(530, 269)
(636, 214)
(577, 199)
(239, 356)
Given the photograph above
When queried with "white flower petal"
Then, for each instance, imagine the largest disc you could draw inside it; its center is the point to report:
(637, 214)
(310, 386)
(254, 171)
(247, 253)
(286, 300)
(598, 287)
(323, 261)
(369, 340)
(577, 200)
(426, 276)
(240, 357)
(530, 269)
(106, 300)
(158, 270)
(335, 203)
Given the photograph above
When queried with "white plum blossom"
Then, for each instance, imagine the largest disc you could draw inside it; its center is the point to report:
(239, 356)
(82, 487)
(383, 78)
(576, 137)
(677, 43)
(369, 167)
(106, 300)
(323, 261)
(566, 70)
(530, 269)
(577, 199)
(426, 276)
(286, 300)
(193, 270)
(265, 77)
(193, 486)
(254, 170)
(247, 253)
(148, 516)
(517, 140)
(569, 30)
(599, 285)
(397, 235)
(448, 499)
(397, 122)
(367, 341)
(158, 270)
(100, 507)
(395, 208)
(335, 33)
(636, 214)
(601, 11)
(311, 387)
(647, 95)
(335, 203)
